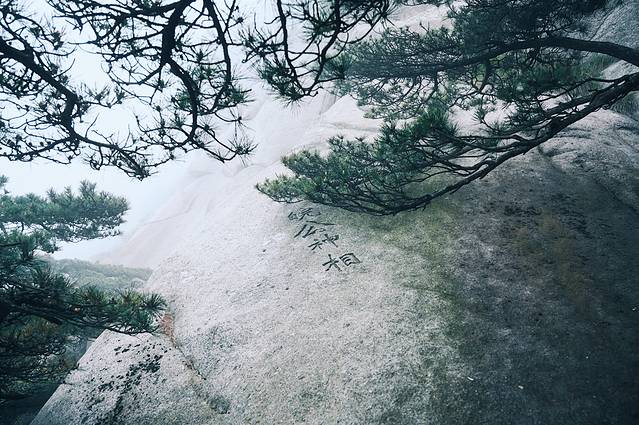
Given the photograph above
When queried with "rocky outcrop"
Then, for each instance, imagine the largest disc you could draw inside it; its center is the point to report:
(514, 300)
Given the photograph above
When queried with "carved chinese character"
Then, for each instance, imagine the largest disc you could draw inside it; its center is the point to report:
(308, 230)
(349, 259)
(327, 239)
(320, 223)
(302, 213)
(332, 262)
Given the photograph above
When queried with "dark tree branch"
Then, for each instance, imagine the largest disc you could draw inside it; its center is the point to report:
(522, 58)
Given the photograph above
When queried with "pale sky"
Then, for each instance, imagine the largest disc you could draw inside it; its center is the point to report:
(144, 197)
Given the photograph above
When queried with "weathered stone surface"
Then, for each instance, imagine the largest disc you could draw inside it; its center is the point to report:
(514, 300)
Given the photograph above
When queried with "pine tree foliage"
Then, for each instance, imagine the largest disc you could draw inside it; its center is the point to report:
(169, 69)
(297, 66)
(526, 70)
(173, 67)
(41, 311)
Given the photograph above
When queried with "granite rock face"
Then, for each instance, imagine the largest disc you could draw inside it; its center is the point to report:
(514, 300)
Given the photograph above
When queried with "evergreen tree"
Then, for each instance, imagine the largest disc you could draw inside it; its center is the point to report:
(42, 311)
(172, 69)
(525, 69)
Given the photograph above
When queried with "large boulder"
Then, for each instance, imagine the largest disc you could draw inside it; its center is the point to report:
(515, 300)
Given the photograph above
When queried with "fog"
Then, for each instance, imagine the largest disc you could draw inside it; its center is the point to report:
(144, 196)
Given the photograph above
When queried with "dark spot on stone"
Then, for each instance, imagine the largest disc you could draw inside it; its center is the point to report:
(220, 404)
